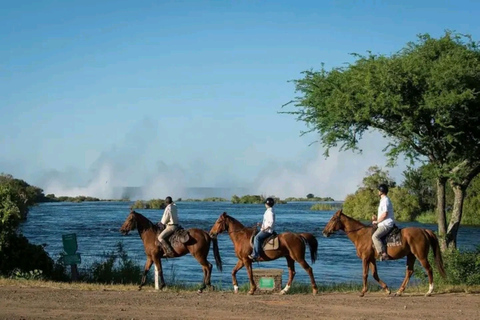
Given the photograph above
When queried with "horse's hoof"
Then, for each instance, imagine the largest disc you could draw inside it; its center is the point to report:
(428, 294)
(235, 291)
(315, 291)
(251, 292)
(362, 294)
(388, 291)
(398, 294)
(283, 292)
(199, 291)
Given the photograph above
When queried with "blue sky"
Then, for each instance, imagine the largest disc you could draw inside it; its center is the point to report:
(174, 94)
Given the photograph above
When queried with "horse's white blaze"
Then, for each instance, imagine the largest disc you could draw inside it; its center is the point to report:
(157, 287)
(235, 289)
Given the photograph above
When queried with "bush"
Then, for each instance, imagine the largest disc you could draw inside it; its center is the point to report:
(117, 268)
(325, 207)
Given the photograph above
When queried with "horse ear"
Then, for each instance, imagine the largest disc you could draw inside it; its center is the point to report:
(224, 214)
(341, 211)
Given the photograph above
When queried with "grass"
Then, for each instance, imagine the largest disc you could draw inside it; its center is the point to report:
(297, 288)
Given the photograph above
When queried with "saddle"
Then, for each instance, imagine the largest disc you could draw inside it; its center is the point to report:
(178, 237)
(271, 243)
(393, 238)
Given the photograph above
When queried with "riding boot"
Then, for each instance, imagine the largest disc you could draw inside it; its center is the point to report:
(168, 250)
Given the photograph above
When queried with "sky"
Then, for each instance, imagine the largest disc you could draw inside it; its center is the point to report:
(170, 95)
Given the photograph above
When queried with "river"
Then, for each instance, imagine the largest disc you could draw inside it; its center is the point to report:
(97, 227)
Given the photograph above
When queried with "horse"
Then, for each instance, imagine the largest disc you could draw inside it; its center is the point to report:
(198, 246)
(415, 244)
(292, 246)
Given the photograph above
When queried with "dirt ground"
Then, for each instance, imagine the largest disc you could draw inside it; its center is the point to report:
(50, 303)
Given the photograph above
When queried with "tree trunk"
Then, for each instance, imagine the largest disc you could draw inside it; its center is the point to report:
(451, 236)
(441, 215)
(463, 175)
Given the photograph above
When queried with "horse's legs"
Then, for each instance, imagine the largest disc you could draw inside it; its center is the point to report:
(408, 273)
(428, 268)
(159, 274)
(207, 271)
(237, 267)
(373, 266)
(248, 264)
(148, 264)
(365, 264)
(307, 268)
(291, 274)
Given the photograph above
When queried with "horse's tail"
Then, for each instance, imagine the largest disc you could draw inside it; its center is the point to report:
(312, 243)
(216, 253)
(436, 252)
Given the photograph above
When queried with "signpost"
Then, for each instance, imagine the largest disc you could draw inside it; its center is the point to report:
(268, 280)
(71, 257)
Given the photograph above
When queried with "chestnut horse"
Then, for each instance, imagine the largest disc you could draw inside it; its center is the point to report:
(416, 243)
(198, 246)
(292, 246)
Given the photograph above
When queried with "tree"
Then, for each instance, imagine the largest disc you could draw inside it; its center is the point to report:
(310, 196)
(424, 99)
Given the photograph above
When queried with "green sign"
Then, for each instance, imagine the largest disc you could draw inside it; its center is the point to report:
(70, 243)
(266, 283)
(72, 259)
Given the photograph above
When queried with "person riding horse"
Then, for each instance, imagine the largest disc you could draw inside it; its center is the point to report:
(266, 229)
(384, 222)
(170, 221)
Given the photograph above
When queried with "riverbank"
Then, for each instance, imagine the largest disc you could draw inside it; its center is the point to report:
(48, 300)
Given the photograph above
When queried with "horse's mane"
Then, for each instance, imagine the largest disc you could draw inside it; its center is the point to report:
(146, 223)
(235, 221)
(355, 220)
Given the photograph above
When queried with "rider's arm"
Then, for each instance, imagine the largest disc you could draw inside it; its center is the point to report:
(267, 220)
(166, 215)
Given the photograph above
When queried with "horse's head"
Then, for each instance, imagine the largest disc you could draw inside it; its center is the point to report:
(129, 224)
(334, 224)
(219, 226)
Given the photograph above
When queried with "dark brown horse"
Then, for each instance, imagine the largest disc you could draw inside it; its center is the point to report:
(416, 243)
(292, 246)
(198, 246)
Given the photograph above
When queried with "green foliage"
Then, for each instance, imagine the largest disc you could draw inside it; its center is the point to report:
(361, 205)
(150, 204)
(310, 196)
(19, 193)
(462, 268)
(117, 268)
(471, 214)
(211, 199)
(31, 275)
(293, 199)
(405, 205)
(252, 199)
(326, 207)
(376, 176)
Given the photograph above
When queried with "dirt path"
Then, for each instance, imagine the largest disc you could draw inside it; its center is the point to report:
(50, 303)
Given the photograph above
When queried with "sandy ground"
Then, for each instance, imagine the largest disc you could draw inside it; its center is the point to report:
(51, 303)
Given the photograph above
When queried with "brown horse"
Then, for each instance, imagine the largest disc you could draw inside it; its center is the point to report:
(292, 246)
(416, 243)
(198, 246)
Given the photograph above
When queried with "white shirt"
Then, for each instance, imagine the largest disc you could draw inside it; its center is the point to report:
(386, 206)
(268, 220)
(170, 215)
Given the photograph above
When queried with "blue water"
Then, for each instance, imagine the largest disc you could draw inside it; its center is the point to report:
(97, 223)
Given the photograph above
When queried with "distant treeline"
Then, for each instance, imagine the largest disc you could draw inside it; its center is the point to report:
(150, 204)
(53, 198)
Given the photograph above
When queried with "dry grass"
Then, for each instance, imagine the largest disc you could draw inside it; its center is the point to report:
(421, 289)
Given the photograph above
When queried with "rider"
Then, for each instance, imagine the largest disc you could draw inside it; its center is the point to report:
(384, 221)
(266, 229)
(170, 220)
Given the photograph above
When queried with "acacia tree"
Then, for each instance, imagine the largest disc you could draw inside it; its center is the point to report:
(424, 99)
